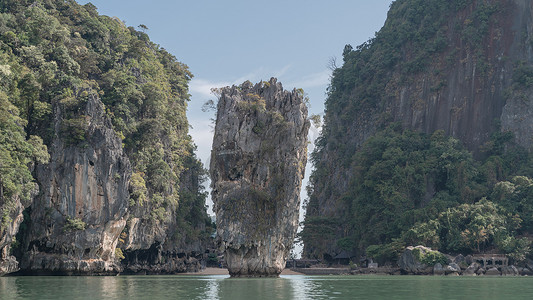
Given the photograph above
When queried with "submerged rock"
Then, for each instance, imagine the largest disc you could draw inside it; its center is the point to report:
(257, 165)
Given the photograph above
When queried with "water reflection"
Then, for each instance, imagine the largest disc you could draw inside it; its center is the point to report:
(212, 290)
(254, 288)
(286, 287)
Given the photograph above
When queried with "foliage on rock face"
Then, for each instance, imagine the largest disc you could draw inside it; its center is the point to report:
(17, 154)
(430, 258)
(53, 56)
(73, 224)
(415, 31)
(398, 180)
(411, 188)
(386, 252)
(470, 228)
(193, 222)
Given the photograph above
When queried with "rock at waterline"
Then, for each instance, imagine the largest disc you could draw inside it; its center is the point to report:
(257, 166)
(510, 271)
(453, 268)
(438, 269)
(411, 261)
(472, 269)
(81, 210)
(493, 272)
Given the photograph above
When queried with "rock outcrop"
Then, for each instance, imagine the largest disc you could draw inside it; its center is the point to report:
(493, 272)
(410, 261)
(8, 263)
(98, 172)
(167, 247)
(510, 271)
(472, 269)
(257, 165)
(80, 212)
(470, 77)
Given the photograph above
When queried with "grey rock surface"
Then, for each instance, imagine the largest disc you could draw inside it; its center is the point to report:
(468, 106)
(410, 264)
(80, 212)
(472, 269)
(510, 271)
(453, 268)
(438, 269)
(257, 166)
(493, 272)
(525, 271)
(8, 263)
(459, 259)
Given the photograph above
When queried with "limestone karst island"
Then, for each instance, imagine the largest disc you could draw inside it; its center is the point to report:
(257, 166)
(423, 163)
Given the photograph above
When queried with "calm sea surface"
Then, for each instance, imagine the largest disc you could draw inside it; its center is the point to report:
(286, 287)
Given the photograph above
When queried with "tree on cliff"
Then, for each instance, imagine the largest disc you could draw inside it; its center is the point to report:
(384, 162)
(57, 55)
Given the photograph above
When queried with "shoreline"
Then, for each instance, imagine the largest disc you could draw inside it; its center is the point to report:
(346, 271)
(224, 271)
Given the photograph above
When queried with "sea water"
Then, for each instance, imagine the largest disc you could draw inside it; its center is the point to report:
(285, 287)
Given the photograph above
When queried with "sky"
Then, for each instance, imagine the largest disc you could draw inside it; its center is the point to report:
(229, 42)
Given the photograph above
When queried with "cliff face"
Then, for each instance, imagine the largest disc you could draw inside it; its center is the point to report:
(257, 165)
(98, 170)
(8, 263)
(77, 218)
(176, 243)
(463, 67)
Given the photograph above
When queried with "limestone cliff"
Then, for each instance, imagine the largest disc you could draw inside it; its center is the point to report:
(98, 172)
(8, 263)
(176, 243)
(257, 165)
(463, 67)
(81, 210)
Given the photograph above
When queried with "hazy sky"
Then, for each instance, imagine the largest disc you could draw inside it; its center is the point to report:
(228, 42)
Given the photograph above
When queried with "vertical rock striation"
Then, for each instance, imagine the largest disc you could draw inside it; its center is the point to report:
(470, 76)
(80, 212)
(97, 168)
(257, 165)
(8, 263)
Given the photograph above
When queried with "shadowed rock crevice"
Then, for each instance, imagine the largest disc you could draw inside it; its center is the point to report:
(257, 165)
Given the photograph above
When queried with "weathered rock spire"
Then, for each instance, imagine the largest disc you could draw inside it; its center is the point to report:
(257, 165)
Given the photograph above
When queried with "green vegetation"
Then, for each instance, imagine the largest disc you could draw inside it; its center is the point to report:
(192, 220)
(73, 224)
(55, 56)
(430, 258)
(413, 41)
(400, 187)
(386, 252)
(415, 189)
(119, 254)
(471, 228)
